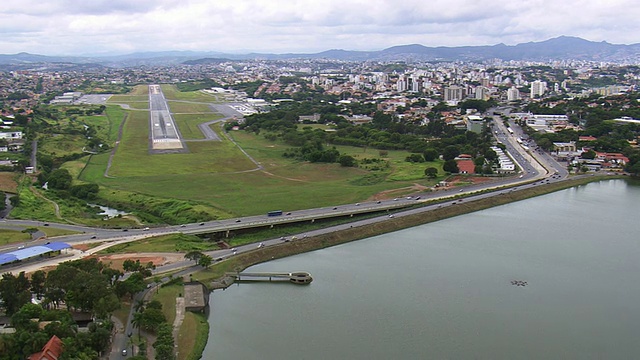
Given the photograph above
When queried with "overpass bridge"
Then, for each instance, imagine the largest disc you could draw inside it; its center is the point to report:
(299, 216)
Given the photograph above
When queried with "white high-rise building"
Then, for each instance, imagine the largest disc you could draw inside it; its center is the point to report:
(538, 88)
(402, 84)
(482, 93)
(513, 94)
(454, 93)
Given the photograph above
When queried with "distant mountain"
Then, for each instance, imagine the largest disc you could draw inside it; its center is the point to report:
(560, 48)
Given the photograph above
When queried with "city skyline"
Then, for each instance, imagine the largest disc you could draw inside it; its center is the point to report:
(67, 27)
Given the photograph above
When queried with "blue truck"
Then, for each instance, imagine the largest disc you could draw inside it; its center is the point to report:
(274, 213)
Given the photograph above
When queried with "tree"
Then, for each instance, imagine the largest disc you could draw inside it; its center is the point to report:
(37, 283)
(193, 255)
(430, 154)
(450, 152)
(151, 318)
(205, 261)
(589, 154)
(137, 321)
(417, 158)
(164, 342)
(60, 179)
(14, 292)
(431, 172)
(347, 161)
(451, 166)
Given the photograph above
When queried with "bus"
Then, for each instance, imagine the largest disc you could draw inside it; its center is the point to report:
(274, 213)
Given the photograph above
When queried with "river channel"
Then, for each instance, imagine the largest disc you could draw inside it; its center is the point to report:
(444, 290)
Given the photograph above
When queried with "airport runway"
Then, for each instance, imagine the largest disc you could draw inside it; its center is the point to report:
(164, 133)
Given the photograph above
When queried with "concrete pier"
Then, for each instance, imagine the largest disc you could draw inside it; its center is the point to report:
(299, 277)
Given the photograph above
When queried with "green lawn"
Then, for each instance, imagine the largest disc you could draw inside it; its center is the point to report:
(167, 297)
(127, 98)
(189, 107)
(166, 243)
(172, 93)
(188, 124)
(193, 336)
(13, 236)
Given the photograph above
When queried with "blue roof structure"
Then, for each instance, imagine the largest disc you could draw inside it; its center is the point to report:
(32, 251)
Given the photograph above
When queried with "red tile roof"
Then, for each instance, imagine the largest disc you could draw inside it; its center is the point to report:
(466, 166)
(51, 350)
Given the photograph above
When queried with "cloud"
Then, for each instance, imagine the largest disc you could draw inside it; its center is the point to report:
(99, 26)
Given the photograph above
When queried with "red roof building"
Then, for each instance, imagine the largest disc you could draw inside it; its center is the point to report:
(587, 138)
(51, 350)
(466, 166)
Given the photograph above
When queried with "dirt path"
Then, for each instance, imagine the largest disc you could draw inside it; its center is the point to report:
(56, 208)
(115, 147)
(180, 309)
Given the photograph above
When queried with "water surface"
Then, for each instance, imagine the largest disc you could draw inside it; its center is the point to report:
(443, 290)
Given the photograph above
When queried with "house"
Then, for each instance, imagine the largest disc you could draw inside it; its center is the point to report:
(50, 351)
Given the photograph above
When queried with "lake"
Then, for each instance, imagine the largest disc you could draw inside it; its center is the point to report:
(444, 290)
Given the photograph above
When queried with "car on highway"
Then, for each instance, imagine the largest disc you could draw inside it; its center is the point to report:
(145, 229)
(124, 352)
(183, 225)
(238, 220)
(201, 224)
(93, 236)
(335, 208)
(391, 215)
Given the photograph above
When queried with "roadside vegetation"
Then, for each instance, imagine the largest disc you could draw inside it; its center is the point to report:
(165, 243)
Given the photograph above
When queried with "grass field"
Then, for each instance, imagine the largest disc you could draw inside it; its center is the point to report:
(166, 243)
(13, 237)
(125, 99)
(167, 297)
(178, 107)
(9, 182)
(218, 175)
(193, 336)
(188, 124)
(172, 93)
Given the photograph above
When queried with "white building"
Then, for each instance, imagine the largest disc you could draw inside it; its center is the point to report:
(454, 93)
(513, 94)
(538, 88)
(504, 162)
(11, 135)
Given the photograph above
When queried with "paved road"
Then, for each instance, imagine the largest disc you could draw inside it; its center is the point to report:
(164, 132)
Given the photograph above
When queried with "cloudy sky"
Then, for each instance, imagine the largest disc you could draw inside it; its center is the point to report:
(86, 27)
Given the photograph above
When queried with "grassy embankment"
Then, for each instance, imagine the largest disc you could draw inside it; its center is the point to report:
(193, 336)
(165, 243)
